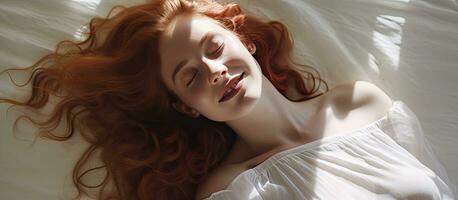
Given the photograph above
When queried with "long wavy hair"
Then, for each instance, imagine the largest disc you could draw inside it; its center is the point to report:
(110, 84)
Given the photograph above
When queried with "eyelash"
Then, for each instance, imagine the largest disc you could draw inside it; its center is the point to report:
(187, 84)
(195, 74)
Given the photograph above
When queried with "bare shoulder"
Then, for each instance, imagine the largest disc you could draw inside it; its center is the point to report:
(219, 179)
(360, 95)
(370, 90)
(363, 89)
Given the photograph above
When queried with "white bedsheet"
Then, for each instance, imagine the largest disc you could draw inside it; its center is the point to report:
(409, 48)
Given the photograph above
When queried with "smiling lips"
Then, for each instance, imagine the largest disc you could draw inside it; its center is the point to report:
(231, 88)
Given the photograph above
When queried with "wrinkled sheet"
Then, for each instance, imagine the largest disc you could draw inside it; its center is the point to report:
(409, 48)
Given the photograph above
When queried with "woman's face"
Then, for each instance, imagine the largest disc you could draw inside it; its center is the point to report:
(199, 60)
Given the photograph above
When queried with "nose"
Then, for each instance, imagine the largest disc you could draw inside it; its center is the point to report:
(217, 71)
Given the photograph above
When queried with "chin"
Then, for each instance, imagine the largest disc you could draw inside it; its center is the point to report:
(234, 112)
(247, 103)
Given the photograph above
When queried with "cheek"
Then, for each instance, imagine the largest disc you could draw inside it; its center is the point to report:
(199, 93)
(234, 47)
(238, 51)
(196, 97)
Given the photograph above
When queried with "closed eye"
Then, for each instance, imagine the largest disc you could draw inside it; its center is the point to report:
(218, 49)
(189, 83)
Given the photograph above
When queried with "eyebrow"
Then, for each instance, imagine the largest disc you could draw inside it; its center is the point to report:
(183, 62)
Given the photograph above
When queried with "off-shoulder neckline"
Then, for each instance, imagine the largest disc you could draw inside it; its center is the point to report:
(313, 144)
(329, 139)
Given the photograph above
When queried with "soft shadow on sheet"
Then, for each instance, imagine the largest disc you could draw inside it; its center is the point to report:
(409, 48)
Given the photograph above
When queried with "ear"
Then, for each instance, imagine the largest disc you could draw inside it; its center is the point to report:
(181, 107)
(251, 48)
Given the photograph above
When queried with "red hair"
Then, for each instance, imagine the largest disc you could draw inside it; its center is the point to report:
(110, 84)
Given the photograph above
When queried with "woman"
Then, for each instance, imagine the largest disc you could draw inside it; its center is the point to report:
(164, 87)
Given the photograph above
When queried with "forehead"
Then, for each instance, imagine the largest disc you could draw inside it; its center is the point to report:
(188, 28)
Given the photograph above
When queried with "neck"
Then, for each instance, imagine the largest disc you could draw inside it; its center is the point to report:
(274, 121)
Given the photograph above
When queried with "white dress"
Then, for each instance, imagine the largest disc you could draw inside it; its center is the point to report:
(386, 159)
